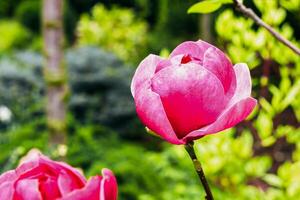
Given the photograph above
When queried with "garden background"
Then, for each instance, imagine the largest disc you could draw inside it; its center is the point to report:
(103, 43)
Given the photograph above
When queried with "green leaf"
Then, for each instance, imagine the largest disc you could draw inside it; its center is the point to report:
(225, 1)
(267, 106)
(264, 125)
(291, 95)
(272, 180)
(205, 6)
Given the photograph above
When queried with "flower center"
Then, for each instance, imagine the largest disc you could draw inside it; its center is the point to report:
(185, 59)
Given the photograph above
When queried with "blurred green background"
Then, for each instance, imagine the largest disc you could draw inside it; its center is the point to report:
(104, 42)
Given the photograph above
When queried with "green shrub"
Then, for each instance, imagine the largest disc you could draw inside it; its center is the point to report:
(28, 13)
(99, 89)
(116, 30)
(13, 35)
(22, 86)
(275, 70)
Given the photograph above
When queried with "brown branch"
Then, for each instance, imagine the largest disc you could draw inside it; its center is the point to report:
(250, 13)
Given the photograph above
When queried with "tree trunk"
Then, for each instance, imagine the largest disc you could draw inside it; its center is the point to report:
(54, 70)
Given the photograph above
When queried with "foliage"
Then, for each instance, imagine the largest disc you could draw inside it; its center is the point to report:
(13, 35)
(95, 147)
(207, 6)
(19, 140)
(172, 25)
(7, 8)
(259, 159)
(28, 13)
(275, 75)
(99, 89)
(116, 30)
(21, 85)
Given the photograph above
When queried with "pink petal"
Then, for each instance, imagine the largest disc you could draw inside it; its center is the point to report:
(31, 155)
(66, 184)
(238, 108)
(8, 176)
(194, 49)
(48, 188)
(216, 62)
(90, 191)
(191, 95)
(42, 167)
(32, 168)
(26, 167)
(174, 61)
(7, 191)
(77, 178)
(28, 189)
(162, 64)
(148, 104)
(144, 72)
(229, 118)
(109, 187)
(243, 81)
(151, 112)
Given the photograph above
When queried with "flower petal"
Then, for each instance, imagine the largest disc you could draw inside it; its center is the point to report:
(66, 183)
(90, 191)
(48, 187)
(8, 176)
(109, 188)
(191, 95)
(78, 180)
(194, 49)
(7, 190)
(28, 189)
(229, 118)
(144, 72)
(243, 82)
(216, 62)
(151, 112)
(26, 167)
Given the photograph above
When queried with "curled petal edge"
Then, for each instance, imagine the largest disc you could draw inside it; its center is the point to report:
(229, 118)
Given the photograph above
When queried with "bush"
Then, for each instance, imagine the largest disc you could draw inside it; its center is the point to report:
(116, 30)
(275, 70)
(13, 35)
(99, 86)
(21, 86)
(100, 89)
(28, 13)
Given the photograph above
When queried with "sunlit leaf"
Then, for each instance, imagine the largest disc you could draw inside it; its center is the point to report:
(272, 180)
(205, 7)
(266, 106)
(264, 125)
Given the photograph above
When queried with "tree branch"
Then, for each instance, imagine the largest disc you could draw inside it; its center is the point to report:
(249, 13)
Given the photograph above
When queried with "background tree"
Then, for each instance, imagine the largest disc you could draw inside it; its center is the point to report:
(54, 71)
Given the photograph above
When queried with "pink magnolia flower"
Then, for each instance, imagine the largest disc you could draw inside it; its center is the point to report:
(193, 93)
(43, 179)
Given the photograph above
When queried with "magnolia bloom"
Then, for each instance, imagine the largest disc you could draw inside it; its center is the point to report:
(193, 93)
(40, 178)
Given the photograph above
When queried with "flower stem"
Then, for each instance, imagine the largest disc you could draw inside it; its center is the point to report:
(189, 147)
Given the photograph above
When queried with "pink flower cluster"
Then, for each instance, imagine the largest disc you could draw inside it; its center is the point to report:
(43, 179)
